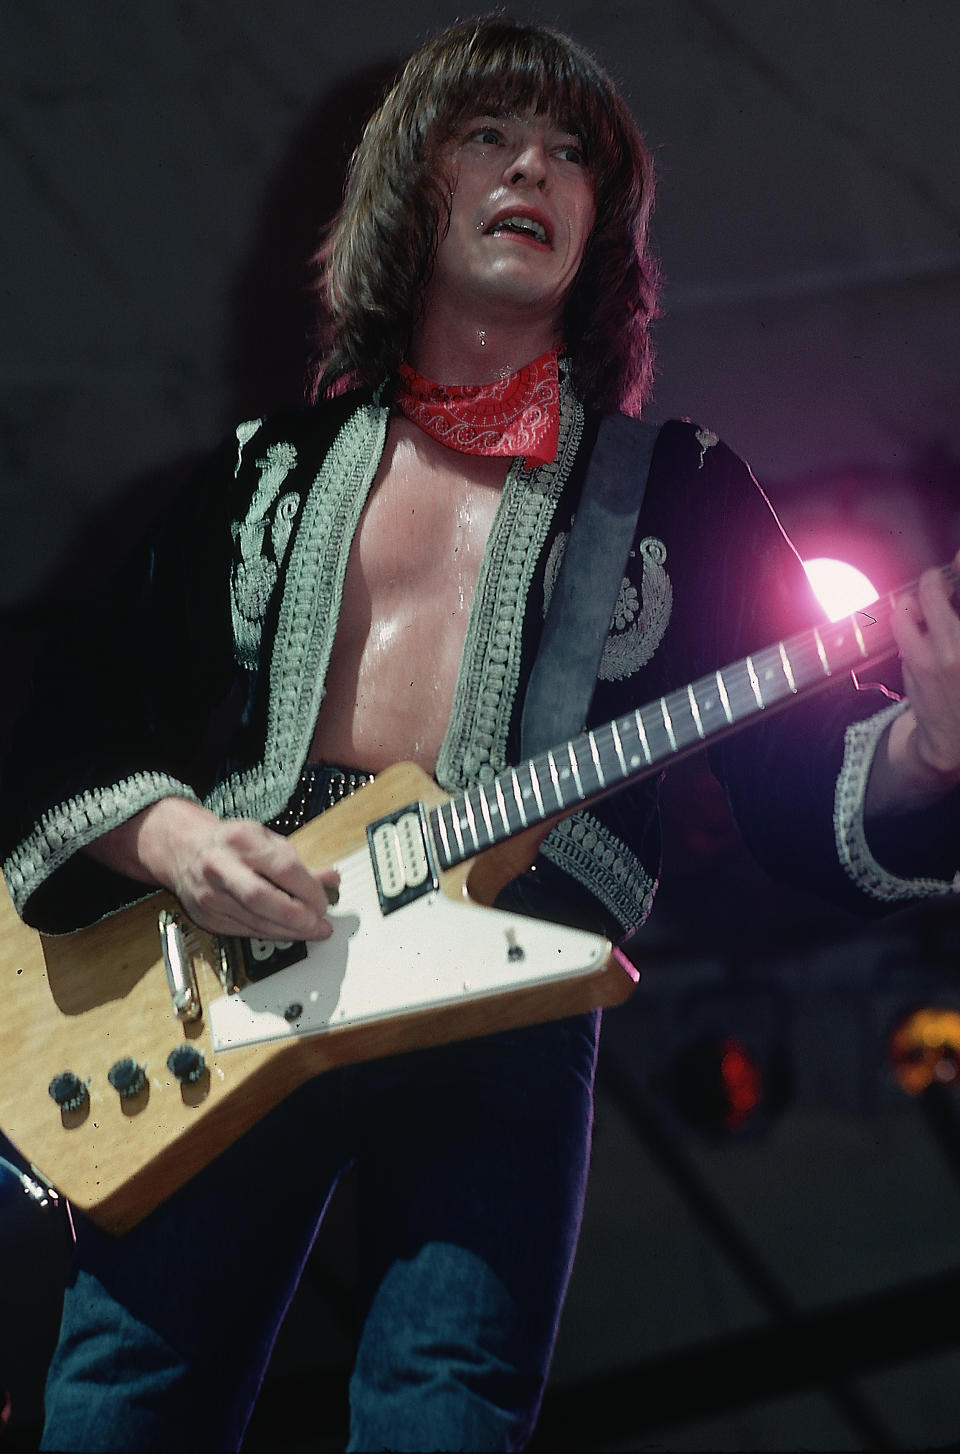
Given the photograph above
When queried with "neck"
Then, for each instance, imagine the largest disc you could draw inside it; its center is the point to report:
(455, 350)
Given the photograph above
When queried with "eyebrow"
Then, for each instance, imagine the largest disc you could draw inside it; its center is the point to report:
(504, 113)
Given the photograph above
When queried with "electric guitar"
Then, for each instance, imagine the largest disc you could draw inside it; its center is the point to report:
(136, 1050)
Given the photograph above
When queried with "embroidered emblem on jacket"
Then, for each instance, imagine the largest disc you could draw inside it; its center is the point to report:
(706, 440)
(640, 619)
(261, 543)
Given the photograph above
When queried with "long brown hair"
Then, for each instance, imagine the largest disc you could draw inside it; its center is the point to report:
(380, 249)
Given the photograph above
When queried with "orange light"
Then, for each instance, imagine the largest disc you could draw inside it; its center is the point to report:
(925, 1048)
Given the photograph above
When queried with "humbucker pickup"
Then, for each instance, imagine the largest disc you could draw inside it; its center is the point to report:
(402, 857)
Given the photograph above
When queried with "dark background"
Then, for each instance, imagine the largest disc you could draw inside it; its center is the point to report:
(164, 169)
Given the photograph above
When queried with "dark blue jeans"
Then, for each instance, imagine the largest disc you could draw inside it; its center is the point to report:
(472, 1163)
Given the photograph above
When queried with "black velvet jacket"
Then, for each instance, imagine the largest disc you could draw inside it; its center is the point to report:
(199, 670)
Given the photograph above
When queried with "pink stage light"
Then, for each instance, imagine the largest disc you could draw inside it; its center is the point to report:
(840, 588)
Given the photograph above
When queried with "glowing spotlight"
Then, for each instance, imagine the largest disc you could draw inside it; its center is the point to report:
(840, 588)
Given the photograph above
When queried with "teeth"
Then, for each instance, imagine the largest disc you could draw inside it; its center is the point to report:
(526, 225)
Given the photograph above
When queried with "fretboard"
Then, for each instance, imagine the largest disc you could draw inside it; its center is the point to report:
(601, 761)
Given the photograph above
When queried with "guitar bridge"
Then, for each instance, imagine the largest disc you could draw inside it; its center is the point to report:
(247, 961)
(402, 856)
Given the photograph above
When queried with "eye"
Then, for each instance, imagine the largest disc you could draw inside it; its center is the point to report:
(572, 152)
(486, 136)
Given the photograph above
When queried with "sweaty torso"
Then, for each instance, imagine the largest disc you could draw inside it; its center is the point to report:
(410, 582)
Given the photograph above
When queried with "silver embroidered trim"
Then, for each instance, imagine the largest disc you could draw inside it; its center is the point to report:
(586, 850)
(639, 623)
(475, 744)
(308, 618)
(860, 744)
(309, 612)
(70, 826)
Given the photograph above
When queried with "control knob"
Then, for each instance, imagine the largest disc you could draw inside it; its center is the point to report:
(187, 1063)
(68, 1090)
(127, 1077)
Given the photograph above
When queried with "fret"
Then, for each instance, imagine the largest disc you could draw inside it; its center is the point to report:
(575, 769)
(596, 759)
(455, 824)
(535, 784)
(501, 805)
(859, 635)
(485, 810)
(470, 821)
(555, 779)
(754, 681)
(787, 668)
(518, 796)
(722, 688)
(695, 712)
(668, 723)
(443, 834)
(821, 652)
(618, 748)
(641, 733)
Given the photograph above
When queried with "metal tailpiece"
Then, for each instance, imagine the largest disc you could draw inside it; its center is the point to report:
(181, 976)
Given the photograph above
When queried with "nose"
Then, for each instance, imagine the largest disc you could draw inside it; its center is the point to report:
(528, 165)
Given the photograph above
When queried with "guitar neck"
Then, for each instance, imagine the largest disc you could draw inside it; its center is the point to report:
(601, 761)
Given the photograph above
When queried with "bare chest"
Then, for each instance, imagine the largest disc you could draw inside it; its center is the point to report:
(411, 579)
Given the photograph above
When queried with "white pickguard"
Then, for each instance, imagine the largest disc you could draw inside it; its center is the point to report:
(432, 952)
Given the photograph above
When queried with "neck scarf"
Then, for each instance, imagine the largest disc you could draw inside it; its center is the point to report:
(517, 415)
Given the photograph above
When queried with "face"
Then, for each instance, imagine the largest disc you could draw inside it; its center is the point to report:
(522, 209)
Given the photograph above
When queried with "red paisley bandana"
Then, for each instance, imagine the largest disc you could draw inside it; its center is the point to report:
(516, 415)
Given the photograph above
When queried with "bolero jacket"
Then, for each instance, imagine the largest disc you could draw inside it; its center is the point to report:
(199, 669)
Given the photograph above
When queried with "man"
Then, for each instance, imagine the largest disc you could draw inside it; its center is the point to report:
(365, 583)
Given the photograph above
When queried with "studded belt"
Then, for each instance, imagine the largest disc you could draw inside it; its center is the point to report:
(320, 786)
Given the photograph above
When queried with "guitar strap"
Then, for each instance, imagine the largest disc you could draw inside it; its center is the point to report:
(581, 609)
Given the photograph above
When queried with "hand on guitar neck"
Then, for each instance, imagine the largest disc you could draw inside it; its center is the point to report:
(232, 876)
(918, 761)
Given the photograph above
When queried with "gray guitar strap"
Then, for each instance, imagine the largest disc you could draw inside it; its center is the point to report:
(581, 609)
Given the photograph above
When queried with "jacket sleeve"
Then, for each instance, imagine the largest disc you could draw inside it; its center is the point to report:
(125, 687)
(796, 781)
(711, 579)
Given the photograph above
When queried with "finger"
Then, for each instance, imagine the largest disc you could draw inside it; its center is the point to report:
(252, 906)
(285, 868)
(936, 603)
(230, 889)
(273, 857)
(271, 912)
(909, 625)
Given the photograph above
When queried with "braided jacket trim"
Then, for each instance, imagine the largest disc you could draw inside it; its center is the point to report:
(860, 745)
(72, 825)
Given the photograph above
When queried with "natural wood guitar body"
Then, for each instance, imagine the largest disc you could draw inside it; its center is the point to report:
(86, 1000)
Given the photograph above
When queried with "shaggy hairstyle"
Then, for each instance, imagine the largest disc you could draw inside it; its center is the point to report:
(381, 247)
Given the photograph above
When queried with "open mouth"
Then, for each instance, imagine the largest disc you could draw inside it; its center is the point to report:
(527, 227)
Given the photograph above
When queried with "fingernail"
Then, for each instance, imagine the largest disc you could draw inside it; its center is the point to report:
(333, 895)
